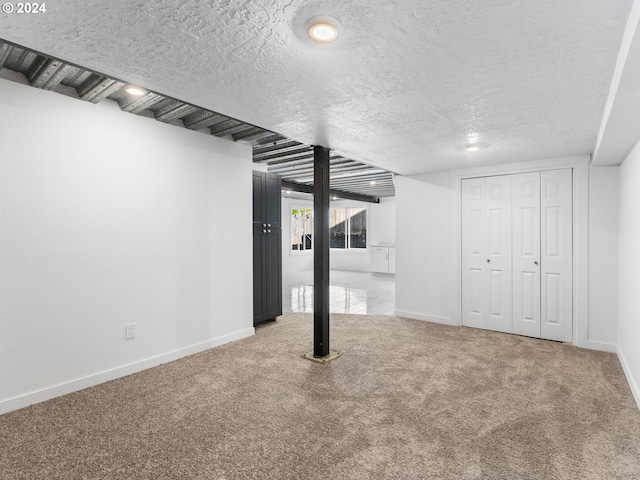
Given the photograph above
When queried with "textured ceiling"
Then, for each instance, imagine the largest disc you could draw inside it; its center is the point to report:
(402, 87)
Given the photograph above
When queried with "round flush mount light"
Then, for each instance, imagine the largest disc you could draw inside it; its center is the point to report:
(323, 32)
(323, 29)
(135, 91)
(472, 148)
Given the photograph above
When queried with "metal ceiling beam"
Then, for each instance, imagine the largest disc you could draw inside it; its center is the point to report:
(307, 156)
(299, 162)
(112, 88)
(26, 58)
(339, 167)
(97, 87)
(76, 77)
(5, 53)
(284, 154)
(49, 74)
(292, 159)
(173, 111)
(260, 151)
(365, 177)
(274, 137)
(302, 171)
(139, 104)
(303, 188)
(228, 127)
(251, 134)
(202, 119)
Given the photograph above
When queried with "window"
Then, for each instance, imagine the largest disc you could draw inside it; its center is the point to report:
(348, 228)
(301, 229)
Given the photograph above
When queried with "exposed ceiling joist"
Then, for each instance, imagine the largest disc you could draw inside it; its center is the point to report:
(281, 146)
(299, 187)
(290, 159)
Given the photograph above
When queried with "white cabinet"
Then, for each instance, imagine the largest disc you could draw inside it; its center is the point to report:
(383, 259)
(392, 259)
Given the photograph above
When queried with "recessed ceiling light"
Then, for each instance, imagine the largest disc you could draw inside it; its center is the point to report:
(136, 91)
(323, 29)
(323, 32)
(472, 148)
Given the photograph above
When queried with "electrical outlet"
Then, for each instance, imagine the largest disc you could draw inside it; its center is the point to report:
(130, 331)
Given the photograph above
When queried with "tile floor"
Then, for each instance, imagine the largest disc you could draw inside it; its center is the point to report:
(350, 292)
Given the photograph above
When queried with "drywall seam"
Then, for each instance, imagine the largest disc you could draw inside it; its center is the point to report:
(118, 372)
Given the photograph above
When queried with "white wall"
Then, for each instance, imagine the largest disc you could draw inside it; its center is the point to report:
(603, 254)
(382, 222)
(423, 243)
(107, 218)
(380, 229)
(629, 270)
(428, 244)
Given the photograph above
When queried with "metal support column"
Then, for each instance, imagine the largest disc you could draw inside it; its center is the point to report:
(320, 252)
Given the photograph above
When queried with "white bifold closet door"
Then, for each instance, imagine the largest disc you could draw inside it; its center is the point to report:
(527, 218)
(486, 246)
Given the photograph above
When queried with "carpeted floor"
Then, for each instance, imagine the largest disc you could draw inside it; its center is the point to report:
(407, 400)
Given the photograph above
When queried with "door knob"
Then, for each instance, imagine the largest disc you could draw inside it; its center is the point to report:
(536, 263)
(488, 260)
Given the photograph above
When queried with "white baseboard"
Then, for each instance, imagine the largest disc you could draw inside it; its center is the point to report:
(595, 345)
(426, 318)
(630, 380)
(48, 393)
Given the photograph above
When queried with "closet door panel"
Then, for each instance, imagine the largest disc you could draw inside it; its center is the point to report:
(486, 253)
(556, 207)
(526, 253)
(474, 265)
(498, 230)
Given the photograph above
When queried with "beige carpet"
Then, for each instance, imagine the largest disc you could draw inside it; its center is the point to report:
(407, 400)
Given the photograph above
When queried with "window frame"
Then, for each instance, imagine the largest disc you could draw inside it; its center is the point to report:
(300, 206)
(347, 248)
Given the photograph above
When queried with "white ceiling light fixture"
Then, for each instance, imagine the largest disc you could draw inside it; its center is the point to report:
(135, 91)
(472, 148)
(323, 29)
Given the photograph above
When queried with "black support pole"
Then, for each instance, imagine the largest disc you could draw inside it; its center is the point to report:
(320, 252)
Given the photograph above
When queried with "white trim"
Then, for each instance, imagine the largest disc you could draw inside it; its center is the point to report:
(426, 318)
(91, 380)
(601, 346)
(635, 389)
(580, 166)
